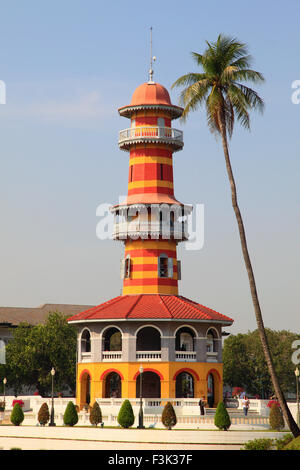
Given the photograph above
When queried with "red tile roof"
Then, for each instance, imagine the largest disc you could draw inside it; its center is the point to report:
(150, 306)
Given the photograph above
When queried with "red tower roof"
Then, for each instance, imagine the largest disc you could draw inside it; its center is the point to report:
(150, 306)
(150, 93)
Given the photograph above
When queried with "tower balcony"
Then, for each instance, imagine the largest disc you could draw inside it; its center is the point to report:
(154, 230)
(150, 134)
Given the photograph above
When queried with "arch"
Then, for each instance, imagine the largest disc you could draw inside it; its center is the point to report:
(85, 371)
(185, 339)
(85, 340)
(184, 386)
(148, 324)
(108, 371)
(111, 339)
(186, 369)
(151, 384)
(112, 385)
(148, 338)
(214, 330)
(147, 369)
(187, 326)
(213, 371)
(85, 389)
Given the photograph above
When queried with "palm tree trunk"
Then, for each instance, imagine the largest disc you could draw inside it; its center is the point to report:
(259, 320)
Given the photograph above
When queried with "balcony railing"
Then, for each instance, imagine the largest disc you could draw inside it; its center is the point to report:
(135, 135)
(155, 230)
(148, 355)
(188, 356)
(112, 356)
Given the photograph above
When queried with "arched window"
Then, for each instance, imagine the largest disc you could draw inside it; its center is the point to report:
(112, 340)
(151, 387)
(113, 385)
(148, 339)
(211, 341)
(86, 341)
(184, 340)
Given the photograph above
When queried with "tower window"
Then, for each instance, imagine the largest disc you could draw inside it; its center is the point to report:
(165, 266)
(131, 173)
(127, 267)
(161, 171)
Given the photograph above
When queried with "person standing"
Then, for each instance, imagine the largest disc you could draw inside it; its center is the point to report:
(202, 404)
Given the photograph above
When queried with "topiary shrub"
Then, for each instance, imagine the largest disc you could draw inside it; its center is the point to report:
(276, 420)
(259, 444)
(95, 414)
(70, 415)
(126, 416)
(222, 418)
(43, 414)
(17, 415)
(168, 417)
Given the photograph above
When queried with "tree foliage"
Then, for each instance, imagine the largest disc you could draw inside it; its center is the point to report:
(17, 415)
(126, 416)
(222, 418)
(70, 415)
(168, 416)
(34, 350)
(245, 364)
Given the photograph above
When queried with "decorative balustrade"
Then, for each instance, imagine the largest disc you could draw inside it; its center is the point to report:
(151, 134)
(148, 355)
(185, 356)
(153, 229)
(112, 356)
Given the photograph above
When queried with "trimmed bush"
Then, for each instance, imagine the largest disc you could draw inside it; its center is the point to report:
(259, 444)
(43, 414)
(17, 415)
(95, 414)
(168, 417)
(276, 420)
(126, 416)
(70, 415)
(293, 445)
(222, 418)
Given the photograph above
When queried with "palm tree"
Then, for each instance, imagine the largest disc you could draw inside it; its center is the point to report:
(225, 66)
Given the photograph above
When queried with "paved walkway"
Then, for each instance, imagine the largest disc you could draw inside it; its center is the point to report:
(89, 438)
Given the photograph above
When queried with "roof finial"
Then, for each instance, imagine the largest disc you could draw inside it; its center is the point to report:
(152, 58)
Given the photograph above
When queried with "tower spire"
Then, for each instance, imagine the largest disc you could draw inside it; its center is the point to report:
(152, 59)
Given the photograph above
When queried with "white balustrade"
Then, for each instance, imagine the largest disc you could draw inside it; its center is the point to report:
(185, 356)
(150, 133)
(148, 355)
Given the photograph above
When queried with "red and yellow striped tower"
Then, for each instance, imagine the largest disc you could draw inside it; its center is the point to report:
(150, 341)
(150, 265)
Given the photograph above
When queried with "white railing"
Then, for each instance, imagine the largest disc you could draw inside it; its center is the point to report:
(151, 133)
(185, 355)
(154, 229)
(148, 355)
(112, 356)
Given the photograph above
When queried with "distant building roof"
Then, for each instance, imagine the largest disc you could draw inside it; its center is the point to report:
(12, 316)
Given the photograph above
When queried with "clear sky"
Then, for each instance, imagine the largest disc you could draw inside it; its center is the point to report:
(68, 65)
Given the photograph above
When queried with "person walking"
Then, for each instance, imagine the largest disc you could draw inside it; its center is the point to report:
(245, 405)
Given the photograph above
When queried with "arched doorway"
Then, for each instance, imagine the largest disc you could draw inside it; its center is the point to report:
(113, 385)
(184, 385)
(150, 385)
(210, 390)
(85, 396)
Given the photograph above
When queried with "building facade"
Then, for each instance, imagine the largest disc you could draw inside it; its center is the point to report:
(150, 333)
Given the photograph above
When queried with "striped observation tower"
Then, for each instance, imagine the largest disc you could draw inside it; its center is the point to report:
(150, 341)
(151, 221)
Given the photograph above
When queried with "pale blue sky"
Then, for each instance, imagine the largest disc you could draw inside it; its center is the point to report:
(68, 65)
